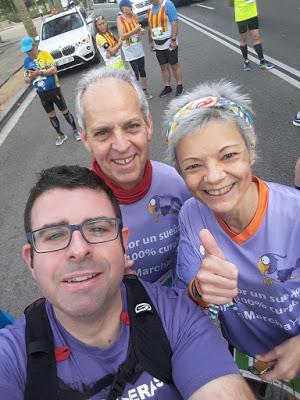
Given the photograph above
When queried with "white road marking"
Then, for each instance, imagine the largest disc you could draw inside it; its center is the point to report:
(11, 123)
(212, 34)
(203, 6)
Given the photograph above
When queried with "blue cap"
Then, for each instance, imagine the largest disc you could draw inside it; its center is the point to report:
(26, 44)
(125, 3)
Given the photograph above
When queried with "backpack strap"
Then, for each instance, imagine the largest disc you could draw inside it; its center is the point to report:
(41, 364)
(148, 337)
(149, 350)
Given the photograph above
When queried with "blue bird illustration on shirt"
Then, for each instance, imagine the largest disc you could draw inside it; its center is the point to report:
(160, 206)
(273, 268)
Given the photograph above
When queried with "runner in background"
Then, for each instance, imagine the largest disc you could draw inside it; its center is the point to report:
(40, 71)
(108, 45)
(246, 16)
(130, 31)
(162, 33)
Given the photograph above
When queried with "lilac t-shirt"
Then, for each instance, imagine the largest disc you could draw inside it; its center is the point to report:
(268, 302)
(153, 224)
(199, 353)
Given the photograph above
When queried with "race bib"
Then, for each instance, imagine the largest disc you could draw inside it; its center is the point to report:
(134, 39)
(157, 32)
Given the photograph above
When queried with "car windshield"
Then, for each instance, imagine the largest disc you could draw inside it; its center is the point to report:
(60, 25)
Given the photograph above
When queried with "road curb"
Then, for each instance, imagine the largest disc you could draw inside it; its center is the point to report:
(13, 105)
(10, 76)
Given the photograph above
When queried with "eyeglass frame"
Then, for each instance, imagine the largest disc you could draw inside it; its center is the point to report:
(72, 228)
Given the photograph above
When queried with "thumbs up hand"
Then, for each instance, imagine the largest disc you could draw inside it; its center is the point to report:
(216, 278)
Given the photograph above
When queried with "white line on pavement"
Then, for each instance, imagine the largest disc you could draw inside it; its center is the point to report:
(206, 31)
(203, 6)
(16, 116)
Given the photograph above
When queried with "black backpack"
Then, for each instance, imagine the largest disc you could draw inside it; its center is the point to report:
(149, 350)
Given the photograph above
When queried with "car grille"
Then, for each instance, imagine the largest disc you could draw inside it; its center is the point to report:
(56, 54)
(143, 4)
(68, 50)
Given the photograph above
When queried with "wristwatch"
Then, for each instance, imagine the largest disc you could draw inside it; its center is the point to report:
(173, 40)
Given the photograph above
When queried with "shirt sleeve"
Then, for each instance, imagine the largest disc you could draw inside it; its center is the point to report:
(199, 347)
(171, 11)
(189, 255)
(12, 366)
(200, 354)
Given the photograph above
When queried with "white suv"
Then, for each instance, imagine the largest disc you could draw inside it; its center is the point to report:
(68, 38)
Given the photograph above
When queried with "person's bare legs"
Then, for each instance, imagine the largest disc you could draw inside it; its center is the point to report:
(177, 72)
(166, 74)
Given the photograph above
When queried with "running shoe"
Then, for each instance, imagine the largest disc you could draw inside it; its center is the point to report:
(147, 94)
(179, 90)
(296, 120)
(167, 90)
(60, 139)
(76, 135)
(247, 66)
(266, 65)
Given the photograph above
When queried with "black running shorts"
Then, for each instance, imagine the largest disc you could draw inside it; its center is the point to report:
(51, 97)
(251, 24)
(167, 56)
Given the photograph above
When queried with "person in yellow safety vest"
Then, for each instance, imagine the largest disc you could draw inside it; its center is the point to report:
(163, 30)
(246, 17)
(130, 31)
(108, 45)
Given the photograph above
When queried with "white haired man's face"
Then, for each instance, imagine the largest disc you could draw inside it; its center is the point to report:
(116, 132)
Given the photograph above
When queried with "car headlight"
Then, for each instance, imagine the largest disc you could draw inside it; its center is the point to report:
(83, 40)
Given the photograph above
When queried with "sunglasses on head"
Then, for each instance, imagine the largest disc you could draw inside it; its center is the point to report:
(99, 18)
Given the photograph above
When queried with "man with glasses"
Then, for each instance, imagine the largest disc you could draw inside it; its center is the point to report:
(40, 71)
(76, 253)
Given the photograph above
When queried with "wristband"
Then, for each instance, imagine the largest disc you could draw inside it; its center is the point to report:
(195, 295)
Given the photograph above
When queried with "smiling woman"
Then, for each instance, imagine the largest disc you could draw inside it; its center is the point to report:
(230, 237)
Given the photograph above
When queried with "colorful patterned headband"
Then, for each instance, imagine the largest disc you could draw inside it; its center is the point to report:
(215, 102)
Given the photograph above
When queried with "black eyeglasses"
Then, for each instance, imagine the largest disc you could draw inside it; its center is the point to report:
(58, 237)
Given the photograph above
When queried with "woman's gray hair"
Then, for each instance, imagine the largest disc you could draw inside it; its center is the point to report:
(195, 119)
(96, 75)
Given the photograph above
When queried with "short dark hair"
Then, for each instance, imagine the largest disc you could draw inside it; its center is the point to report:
(68, 177)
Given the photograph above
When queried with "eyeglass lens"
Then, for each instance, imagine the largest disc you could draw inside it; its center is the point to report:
(59, 236)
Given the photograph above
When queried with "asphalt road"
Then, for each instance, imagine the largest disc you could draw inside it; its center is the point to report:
(30, 145)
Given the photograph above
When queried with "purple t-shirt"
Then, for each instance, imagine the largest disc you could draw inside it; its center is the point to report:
(199, 353)
(153, 224)
(268, 302)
